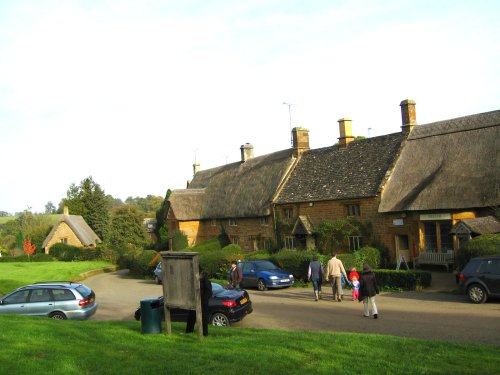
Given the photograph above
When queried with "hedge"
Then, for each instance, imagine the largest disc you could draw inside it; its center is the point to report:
(25, 258)
(486, 244)
(405, 280)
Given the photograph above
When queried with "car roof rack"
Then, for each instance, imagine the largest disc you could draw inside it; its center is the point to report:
(55, 282)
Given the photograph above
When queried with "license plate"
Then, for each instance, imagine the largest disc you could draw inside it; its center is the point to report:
(285, 280)
(243, 301)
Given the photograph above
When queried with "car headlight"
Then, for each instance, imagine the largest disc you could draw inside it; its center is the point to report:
(290, 276)
(273, 277)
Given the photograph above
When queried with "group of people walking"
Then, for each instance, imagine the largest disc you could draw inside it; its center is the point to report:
(364, 286)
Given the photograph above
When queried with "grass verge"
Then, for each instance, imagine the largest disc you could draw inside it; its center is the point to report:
(14, 275)
(43, 346)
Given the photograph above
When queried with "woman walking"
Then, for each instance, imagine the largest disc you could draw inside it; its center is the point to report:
(368, 289)
(315, 274)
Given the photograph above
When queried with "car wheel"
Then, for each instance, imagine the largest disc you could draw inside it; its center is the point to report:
(58, 316)
(476, 293)
(261, 285)
(157, 279)
(219, 319)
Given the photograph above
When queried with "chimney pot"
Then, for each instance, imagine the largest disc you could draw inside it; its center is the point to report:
(246, 152)
(300, 141)
(66, 210)
(408, 115)
(345, 129)
(196, 168)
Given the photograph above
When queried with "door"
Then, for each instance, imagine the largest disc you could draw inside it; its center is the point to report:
(16, 303)
(402, 247)
(249, 274)
(40, 302)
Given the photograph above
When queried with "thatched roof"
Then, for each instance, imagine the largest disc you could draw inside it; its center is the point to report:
(233, 190)
(453, 164)
(79, 227)
(479, 225)
(187, 203)
(334, 172)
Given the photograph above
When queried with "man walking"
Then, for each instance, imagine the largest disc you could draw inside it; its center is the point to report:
(315, 274)
(235, 276)
(334, 270)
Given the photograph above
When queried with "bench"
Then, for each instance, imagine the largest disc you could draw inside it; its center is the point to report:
(440, 259)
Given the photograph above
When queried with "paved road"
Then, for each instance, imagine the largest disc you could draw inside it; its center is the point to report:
(427, 315)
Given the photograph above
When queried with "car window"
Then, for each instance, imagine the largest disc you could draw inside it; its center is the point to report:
(17, 297)
(84, 291)
(216, 288)
(265, 266)
(494, 266)
(483, 267)
(247, 267)
(40, 295)
(62, 295)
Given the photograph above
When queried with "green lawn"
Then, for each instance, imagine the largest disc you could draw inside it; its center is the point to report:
(14, 275)
(43, 346)
(53, 218)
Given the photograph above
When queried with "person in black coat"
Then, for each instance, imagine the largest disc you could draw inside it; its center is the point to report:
(206, 294)
(368, 288)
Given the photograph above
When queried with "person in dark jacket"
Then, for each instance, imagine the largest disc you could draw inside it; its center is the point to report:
(206, 294)
(235, 275)
(368, 288)
(315, 274)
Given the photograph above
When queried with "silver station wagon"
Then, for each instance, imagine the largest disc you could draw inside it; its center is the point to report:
(57, 300)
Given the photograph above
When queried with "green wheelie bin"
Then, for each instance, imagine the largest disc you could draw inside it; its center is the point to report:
(150, 315)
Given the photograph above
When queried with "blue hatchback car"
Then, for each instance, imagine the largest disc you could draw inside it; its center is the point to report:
(263, 274)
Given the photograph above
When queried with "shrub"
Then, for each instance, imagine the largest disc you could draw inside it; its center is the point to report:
(486, 244)
(210, 245)
(25, 258)
(258, 255)
(405, 280)
(140, 263)
(179, 241)
(368, 255)
(216, 263)
(66, 253)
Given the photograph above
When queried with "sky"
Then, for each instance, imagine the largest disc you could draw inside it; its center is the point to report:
(133, 92)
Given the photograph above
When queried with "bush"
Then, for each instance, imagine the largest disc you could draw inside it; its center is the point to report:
(179, 241)
(140, 263)
(405, 280)
(216, 263)
(66, 253)
(368, 255)
(486, 244)
(24, 258)
(210, 245)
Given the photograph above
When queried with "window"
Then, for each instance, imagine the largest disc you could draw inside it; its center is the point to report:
(437, 236)
(214, 222)
(40, 295)
(232, 222)
(287, 214)
(63, 240)
(355, 243)
(353, 210)
(235, 240)
(289, 242)
(267, 244)
(264, 220)
(62, 295)
(430, 237)
(19, 297)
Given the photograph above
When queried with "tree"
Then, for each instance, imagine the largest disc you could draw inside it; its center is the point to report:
(161, 222)
(127, 229)
(89, 201)
(4, 213)
(50, 208)
(332, 234)
(28, 247)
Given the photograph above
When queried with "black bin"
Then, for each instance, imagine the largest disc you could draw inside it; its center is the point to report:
(150, 315)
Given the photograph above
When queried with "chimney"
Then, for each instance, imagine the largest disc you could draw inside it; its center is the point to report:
(246, 152)
(408, 115)
(66, 210)
(196, 168)
(345, 128)
(300, 141)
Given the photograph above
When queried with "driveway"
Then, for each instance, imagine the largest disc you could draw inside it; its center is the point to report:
(426, 315)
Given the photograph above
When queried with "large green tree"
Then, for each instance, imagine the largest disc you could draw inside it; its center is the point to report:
(90, 201)
(127, 229)
(161, 222)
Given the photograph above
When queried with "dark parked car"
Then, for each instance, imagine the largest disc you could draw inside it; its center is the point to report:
(225, 306)
(263, 274)
(57, 300)
(480, 278)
